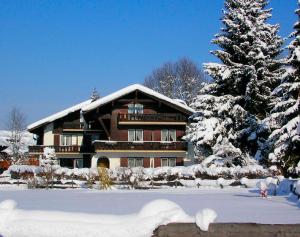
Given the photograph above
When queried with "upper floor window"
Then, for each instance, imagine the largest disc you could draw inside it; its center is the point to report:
(135, 135)
(135, 109)
(168, 135)
(66, 140)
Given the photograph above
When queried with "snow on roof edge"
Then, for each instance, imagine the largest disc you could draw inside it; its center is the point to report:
(58, 115)
(130, 89)
(90, 105)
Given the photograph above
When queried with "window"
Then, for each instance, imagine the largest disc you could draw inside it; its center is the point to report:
(168, 135)
(66, 140)
(168, 162)
(95, 137)
(135, 162)
(78, 163)
(135, 109)
(135, 135)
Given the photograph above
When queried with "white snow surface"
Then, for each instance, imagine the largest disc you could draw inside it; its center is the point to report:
(231, 204)
(14, 222)
(205, 217)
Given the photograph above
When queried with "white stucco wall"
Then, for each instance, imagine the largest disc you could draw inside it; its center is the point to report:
(113, 161)
(48, 135)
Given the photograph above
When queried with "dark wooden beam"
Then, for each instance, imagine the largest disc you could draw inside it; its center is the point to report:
(135, 96)
(104, 127)
(105, 116)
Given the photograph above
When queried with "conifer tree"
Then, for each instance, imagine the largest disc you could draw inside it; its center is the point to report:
(230, 108)
(284, 140)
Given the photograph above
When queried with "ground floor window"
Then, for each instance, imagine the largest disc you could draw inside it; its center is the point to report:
(71, 163)
(135, 162)
(78, 163)
(168, 162)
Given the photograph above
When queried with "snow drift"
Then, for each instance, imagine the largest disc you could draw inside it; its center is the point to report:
(17, 223)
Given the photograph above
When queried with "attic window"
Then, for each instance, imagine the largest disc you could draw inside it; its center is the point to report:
(135, 109)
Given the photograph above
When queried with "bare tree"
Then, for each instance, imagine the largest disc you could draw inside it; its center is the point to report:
(16, 125)
(179, 80)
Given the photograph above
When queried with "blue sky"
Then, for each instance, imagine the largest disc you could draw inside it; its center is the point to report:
(53, 53)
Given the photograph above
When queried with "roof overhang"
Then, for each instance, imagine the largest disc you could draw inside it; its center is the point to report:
(137, 87)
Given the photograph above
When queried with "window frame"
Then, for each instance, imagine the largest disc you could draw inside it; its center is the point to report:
(133, 161)
(135, 135)
(135, 108)
(64, 138)
(168, 161)
(168, 135)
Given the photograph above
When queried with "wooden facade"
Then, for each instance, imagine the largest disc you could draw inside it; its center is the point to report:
(104, 132)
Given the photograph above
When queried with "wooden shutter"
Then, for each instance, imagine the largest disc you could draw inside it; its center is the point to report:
(56, 139)
(124, 162)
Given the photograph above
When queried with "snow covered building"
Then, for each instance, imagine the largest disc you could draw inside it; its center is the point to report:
(134, 126)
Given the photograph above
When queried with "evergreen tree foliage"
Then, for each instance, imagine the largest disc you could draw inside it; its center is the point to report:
(284, 140)
(230, 108)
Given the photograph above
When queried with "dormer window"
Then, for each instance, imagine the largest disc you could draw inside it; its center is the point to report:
(135, 109)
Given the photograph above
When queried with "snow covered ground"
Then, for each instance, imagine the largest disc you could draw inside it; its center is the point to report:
(115, 213)
(231, 204)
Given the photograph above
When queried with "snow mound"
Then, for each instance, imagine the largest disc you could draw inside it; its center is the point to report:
(6, 210)
(162, 207)
(205, 217)
(262, 185)
(20, 223)
(7, 205)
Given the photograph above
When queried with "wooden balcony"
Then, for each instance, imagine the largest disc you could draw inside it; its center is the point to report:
(62, 149)
(139, 146)
(151, 119)
(76, 127)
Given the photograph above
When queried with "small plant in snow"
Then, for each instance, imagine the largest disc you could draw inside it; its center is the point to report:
(48, 161)
(104, 178)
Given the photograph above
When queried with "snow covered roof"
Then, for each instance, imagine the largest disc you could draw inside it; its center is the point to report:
(130, 89)
(58, 115)
(90, 105)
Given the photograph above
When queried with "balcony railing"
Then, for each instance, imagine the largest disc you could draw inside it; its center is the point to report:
(62, 149)
(124, 145)
(151, 117)
(77, 126)
(72, 126)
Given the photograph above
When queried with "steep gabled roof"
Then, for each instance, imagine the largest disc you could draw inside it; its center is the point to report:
(58, 115)
(130, 89)
(89, 105)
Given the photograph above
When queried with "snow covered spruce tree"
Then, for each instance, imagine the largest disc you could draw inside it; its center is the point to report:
(284, 140)
(230, 108)
(48, 161)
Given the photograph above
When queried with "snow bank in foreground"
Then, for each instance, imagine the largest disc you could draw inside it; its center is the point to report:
(205, 217)
(17, 223)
